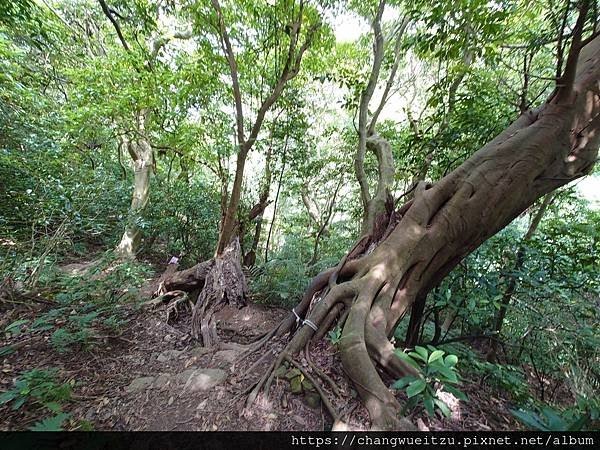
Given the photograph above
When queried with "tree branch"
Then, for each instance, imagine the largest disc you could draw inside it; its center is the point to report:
(567, 80)
(108, 13)
(290, 70)
(161, 41)
(365, 98)
(228, 49)
(390, 81)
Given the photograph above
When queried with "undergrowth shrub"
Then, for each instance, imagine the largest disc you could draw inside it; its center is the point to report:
(86, 305)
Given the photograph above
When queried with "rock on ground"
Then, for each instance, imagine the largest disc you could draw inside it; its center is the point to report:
(139, 384)
(205, 379)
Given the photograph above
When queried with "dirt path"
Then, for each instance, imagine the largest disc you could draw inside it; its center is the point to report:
(153, 376)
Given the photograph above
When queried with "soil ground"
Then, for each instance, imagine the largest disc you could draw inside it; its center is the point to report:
(154, 376)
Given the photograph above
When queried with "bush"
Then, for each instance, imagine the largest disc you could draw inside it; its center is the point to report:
(436, 374)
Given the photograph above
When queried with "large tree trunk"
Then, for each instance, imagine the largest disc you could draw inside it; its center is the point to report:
(141, 154)
(429, 235)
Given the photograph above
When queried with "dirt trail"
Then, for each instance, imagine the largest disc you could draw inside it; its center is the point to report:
(153, 376)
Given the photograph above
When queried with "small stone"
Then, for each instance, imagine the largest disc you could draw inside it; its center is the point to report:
(167, 355)
(281, 371)
(312, 399)
(161, 381)
(296, 385)
(90, 413)
(200, 351)
(205, 379)
(139, 384)
(229, 356)
(299, 419)
(338, 425)
(184, 376)
(293, 373)
(307, 385)
(171, 400)
(202, 404)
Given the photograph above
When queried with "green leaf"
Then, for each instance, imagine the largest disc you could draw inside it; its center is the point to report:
(406, 358)
(18, 403)
(16, 324)
(8, 350)
(579, 423)
(422, 351)
(450, 360)
(436, 355)
(555, 422)
(6, 397)
(429, 406)
(402, 382)
(418, 356)
(415, 387)
(51, 423)
(530, 419)
(53, 406)
(448, 374)
(443, 407)
(457, 393)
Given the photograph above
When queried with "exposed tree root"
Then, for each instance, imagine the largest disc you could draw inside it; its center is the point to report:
(173, 308)
(326, 298)
(332, 411)
(185, 280)
(164, 298)
(225, 283)
(334, 387)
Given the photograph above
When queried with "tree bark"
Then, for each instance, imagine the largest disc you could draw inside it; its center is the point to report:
(429, 235)
(142, 157)
(376, 204)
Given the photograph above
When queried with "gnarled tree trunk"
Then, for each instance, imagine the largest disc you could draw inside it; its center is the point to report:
(429, 235)
(377, 203)
(141, 154)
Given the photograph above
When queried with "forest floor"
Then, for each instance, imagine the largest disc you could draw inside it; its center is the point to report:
(153, 376)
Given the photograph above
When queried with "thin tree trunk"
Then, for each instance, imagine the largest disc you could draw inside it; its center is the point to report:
(512, 277)
(377, 204)
(276, 201)
(141, 154)
(230, 220)
(257, 211)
